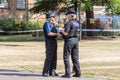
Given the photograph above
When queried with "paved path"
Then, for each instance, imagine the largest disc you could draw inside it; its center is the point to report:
(23, 75)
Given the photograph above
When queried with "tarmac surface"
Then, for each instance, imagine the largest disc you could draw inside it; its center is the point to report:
(24, 75)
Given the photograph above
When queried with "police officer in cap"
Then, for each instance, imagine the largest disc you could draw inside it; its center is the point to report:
(50, 34)
(70, 34)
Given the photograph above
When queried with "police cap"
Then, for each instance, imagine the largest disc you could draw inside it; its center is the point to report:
(70, 11)
(49, 15)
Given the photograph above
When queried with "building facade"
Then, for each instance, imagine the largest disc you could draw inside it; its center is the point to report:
(17, 9)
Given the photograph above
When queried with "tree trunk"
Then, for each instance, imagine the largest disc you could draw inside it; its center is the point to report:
(90, 22)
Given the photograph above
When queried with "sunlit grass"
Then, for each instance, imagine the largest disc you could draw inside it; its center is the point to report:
(20, 37)
(30, 56)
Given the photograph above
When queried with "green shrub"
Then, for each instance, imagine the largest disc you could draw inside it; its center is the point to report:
(37, 24)
(9, 25)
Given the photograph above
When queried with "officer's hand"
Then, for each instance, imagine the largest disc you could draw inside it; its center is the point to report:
(62, 30)
(59, 35)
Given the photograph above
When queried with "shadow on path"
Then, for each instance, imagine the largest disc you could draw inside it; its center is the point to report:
(6, 74)
(17, 73)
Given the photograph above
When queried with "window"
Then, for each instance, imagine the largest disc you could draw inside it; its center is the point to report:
(4, 3)
(20, 4)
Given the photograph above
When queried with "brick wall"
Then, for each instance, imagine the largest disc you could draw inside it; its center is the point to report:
(19, 14)
(13, 12)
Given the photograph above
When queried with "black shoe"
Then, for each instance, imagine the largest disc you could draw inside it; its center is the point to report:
(45, 74)
(53, 74)
(66, 76)
(76, 75)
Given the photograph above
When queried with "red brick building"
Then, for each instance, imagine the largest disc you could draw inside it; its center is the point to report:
(17, 9)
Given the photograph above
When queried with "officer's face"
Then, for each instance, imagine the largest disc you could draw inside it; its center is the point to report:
(53, 19)
(68, 16)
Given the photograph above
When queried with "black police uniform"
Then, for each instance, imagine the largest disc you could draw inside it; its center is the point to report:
(71, 48)
(51, 51)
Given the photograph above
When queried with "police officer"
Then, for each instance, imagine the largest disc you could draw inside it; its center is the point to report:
(70, 34)
(50, 34)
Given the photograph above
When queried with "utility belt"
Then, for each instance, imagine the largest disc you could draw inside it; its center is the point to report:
(51, 38)
(71, 37)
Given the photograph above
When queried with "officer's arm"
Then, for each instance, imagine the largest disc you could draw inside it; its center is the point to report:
(52, 34)
(64, 33)
(67, 29)
(48, 30)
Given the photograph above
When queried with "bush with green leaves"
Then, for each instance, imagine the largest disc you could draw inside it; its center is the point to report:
(9, 25)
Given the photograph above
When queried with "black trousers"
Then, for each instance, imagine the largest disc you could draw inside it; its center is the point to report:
(51, 55)
(71, 48)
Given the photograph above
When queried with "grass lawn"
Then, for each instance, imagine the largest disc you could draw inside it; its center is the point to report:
(20, 38)
(98, 58)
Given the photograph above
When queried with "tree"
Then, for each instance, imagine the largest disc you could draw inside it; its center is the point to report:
(113, 7)
(89, 12)
(89, 15)
(60, 5)
(45, 6)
